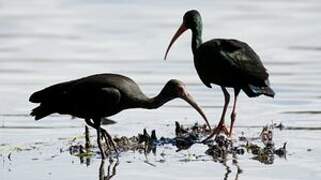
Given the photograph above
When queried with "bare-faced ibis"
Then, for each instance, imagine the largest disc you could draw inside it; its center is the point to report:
(95, 97)
(228, 63)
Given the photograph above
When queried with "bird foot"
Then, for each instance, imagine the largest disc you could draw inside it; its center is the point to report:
(220, 128)
(109, 140)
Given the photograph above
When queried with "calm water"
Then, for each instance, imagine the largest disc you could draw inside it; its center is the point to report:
(49, 41)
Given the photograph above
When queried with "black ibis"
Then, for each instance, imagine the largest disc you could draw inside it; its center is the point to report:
(228, 63)
(95, 97)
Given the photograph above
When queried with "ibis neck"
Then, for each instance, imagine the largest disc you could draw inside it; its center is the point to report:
(196, 38)
(155, 102)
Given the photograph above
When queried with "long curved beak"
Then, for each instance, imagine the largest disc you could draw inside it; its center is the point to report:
(190, 100)
(180, 31)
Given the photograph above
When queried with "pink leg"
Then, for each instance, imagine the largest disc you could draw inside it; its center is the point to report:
(221, 125)
(233, 114)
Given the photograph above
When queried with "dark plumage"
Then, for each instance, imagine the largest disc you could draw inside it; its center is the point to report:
(232, 63)
(95, 97)
(225, 62)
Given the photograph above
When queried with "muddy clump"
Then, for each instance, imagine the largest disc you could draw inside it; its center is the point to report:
(261, 148)
(264, 151)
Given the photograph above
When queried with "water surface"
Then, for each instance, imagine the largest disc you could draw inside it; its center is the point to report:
(45, 42)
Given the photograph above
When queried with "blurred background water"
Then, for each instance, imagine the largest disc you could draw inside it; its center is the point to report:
(49, 41)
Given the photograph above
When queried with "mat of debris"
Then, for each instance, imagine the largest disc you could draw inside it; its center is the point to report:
(262, 148)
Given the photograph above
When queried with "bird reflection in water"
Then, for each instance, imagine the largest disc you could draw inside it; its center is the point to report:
(85, 160)
(111, 169)
(229, 171)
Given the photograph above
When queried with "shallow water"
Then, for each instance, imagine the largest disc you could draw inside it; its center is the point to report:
(44, 42)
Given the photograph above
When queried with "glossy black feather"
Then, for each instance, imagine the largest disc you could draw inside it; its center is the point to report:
(231, 63)
(94, 96)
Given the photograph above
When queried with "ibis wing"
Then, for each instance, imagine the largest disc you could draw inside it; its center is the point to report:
(95, 97)
(243, 59)
(94, 102)
(109, 96)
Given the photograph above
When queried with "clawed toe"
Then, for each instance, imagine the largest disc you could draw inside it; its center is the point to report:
(220, 128)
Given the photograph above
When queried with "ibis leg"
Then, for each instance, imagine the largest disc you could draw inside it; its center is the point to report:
(103, 154)
(90, 123)
(104, 134)
(221, 125)
(233, 114)
(109, 138)
(96, 125)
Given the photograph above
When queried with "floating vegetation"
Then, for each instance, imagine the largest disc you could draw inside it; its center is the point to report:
(261, 148)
